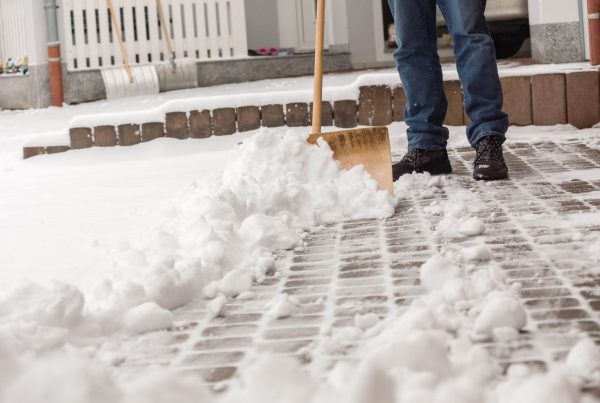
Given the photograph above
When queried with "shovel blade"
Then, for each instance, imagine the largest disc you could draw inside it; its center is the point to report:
(369, 147)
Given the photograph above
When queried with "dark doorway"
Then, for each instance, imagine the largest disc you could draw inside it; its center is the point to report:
(389, 38)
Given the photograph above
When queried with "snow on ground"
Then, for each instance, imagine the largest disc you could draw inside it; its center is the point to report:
(65, 217)
(272, 187)
(161, 245)
(139, 231)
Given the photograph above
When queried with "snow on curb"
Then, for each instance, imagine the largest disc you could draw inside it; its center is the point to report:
(331, 94)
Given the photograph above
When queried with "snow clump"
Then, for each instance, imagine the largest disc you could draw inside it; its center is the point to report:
(282, 306)
(472, 227)
(500, 311)
(37, 318)
(148, 317)
(584, 360)
(436, 272)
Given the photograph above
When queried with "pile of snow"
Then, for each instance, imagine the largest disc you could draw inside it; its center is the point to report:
(217, 238)
(429, 354)
(36, 318)
(71, 377)
(222, 232)
(425, 365)
(540, 388)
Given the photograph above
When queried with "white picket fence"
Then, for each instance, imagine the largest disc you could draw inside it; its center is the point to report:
(200, 29)
(13, 29)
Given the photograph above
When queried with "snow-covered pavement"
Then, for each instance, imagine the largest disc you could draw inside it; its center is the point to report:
(338, 298)
(467, 292)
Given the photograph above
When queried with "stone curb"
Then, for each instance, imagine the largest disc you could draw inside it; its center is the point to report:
(544, 99)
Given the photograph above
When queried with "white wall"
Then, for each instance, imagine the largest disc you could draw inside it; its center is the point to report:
(553, 11)
(23, 30)
(338, 31)
(296, 24)
(38, 36)
(365, 32)
(361, 32)
(262, 24)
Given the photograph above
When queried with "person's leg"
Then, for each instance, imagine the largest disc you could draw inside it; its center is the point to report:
(421, 74)
(478, 72)
(477, 69)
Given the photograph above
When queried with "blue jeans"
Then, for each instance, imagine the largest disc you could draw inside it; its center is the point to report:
(421, 73)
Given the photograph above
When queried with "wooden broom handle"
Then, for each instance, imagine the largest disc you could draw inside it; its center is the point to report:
(117, 31)
(163, 23)
(318, 90)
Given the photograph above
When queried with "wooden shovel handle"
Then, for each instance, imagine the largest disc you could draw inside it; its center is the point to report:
(163, 23)
(318, 90)
(117, 31)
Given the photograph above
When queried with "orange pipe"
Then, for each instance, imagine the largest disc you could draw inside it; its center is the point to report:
(57, 95)
(594, 28)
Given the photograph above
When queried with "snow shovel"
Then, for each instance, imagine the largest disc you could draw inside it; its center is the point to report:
(131, 81)
(369, 147)
(179, 75)
(165, 29)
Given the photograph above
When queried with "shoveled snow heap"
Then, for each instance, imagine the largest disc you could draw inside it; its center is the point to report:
(218, 235)
(427, 354)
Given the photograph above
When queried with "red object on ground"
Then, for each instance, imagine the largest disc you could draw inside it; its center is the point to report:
(56, 81)
(594, 28)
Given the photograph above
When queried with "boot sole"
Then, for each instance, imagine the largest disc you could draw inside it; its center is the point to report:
(500, 176)
(430, 172)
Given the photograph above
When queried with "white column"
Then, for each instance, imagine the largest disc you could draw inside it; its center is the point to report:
(263, 24)
(337, 11)
(553, 11)
(288, 25)
(23, 30)
(557, 33)
(297, 24)
(37, 38)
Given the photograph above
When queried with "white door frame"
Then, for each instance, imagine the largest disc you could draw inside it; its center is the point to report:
(586, 31)
(290, 25)
(305, 19)
(380, 53)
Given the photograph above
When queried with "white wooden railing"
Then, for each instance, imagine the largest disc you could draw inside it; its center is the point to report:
(13, 29)
(200, 29)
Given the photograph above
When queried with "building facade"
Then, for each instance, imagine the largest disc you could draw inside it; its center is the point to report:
(220, 36)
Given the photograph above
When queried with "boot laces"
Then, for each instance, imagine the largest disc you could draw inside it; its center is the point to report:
(489, 149)
(414, 157)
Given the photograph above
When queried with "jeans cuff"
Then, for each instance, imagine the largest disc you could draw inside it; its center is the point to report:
(427, 147)
(486, 134)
